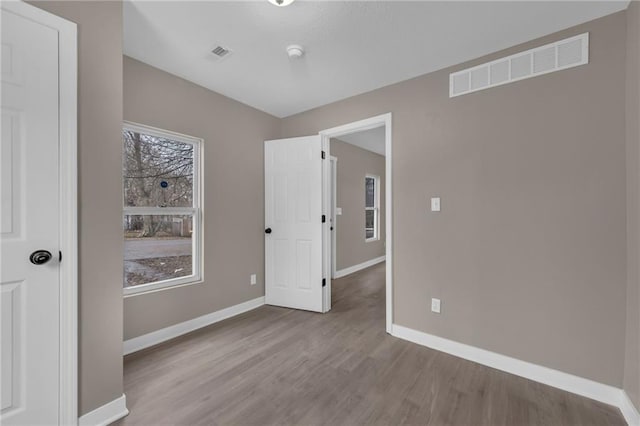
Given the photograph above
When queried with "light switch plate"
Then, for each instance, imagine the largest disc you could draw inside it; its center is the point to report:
(338, 211)
(435, 305)
(253, 279)
(435, 204)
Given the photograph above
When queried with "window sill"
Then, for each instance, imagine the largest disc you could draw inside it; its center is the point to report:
(161, 285)
(370, 240)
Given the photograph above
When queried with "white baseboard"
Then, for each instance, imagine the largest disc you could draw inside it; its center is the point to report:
(629, 411)
(107, 414)
(355, 268)
(164, 334)
(558, 379)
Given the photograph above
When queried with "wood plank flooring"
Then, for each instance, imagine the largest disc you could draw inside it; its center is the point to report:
(276, 366)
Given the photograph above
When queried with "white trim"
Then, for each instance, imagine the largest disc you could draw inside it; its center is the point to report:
(358, 126)
(164, 334)
(355, 268)
(152, 287)
(558, 379)
(327, 193)
(333, 163)
(162, 133)
(195, 210)
(367, 124)
(629, 411)
(68, 169)
(67, 39)
(106, 414)
(388, 211)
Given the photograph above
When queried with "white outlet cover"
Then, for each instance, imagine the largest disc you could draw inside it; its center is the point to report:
(435, 305)
(253, 279)
(435, 204)
(338, 211)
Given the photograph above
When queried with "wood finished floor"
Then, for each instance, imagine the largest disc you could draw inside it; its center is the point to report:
(276, 366)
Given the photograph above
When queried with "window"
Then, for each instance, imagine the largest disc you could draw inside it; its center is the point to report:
(371, 208)
(161, 217)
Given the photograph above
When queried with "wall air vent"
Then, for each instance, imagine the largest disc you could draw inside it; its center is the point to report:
(221, 52)
(557, 56)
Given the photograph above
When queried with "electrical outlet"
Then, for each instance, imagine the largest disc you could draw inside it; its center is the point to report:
(435, 306)
(253, 279)
(435, 204)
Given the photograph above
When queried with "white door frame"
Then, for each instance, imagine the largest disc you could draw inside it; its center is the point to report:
(366, 124)
(332, 214)
(68, 125)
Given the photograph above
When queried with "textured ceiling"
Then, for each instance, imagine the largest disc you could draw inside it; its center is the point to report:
(352, 47)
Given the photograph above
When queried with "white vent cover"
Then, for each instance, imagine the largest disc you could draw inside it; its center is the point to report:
(552, 57)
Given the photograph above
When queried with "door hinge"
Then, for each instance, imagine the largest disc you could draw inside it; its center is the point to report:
(323, 155)
(324, 218)
(324, 282)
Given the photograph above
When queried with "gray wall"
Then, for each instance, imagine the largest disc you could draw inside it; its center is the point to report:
(100, 196)
(233, 135)
(632, 358)
(353, 165)
(529, 251)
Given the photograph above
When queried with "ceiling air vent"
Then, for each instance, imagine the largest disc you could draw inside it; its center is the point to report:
(551, 57)
(221, 52)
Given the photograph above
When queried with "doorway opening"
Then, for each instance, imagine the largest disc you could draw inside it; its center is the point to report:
(357, 211)
(370, 135)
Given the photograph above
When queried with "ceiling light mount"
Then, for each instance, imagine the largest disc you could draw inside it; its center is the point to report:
(295, 51)
(281, 3)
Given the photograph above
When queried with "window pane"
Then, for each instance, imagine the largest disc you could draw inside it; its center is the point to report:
(369, 223)
(370, 192)
(158, 172)
(157, 248)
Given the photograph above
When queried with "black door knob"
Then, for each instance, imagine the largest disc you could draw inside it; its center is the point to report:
(40, 257)
(267, 231)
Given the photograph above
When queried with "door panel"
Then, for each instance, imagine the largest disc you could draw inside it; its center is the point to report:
(293, 211)
(29, 293)
(304, 262)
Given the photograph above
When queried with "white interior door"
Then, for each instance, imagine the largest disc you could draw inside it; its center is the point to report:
(29, 222)
(293, 223)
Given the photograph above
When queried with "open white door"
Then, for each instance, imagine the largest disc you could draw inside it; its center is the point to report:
(293, 223)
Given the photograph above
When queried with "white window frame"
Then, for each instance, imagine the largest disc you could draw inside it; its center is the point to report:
(375, 208)
(196, 210)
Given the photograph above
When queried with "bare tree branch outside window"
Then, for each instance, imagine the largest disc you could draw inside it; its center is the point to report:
(158, 174)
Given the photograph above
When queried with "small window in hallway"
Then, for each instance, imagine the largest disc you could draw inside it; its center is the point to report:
(372, 208)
